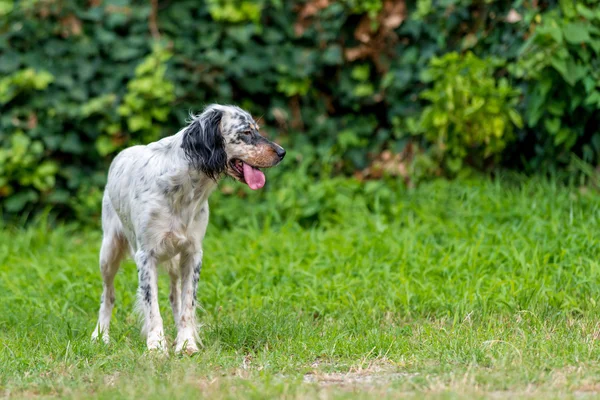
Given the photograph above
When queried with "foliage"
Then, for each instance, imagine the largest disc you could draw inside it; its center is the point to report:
(471, 116)
(26, 79)
(561, 63)
(235, 11)
(24, 173)
(22, 162)
(371, 7)
(465, 278)
(338, 81)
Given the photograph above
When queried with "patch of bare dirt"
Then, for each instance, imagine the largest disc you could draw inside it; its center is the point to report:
(355, 378)
(374, 374)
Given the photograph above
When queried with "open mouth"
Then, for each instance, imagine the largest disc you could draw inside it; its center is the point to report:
(251, 176)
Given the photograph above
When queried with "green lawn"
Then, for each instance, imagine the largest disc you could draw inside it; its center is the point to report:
(472, 288)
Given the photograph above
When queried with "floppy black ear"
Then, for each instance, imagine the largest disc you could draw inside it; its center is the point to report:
(204, 146)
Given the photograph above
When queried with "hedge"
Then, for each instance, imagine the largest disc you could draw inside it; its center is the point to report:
(369, 88)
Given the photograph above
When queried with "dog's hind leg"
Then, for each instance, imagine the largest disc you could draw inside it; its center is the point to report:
(114, 245)
(113, 249)
(175, 295)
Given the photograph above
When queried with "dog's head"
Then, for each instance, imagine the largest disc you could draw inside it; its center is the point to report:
(225, 139)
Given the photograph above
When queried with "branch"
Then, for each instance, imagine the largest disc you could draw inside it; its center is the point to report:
(152, 20)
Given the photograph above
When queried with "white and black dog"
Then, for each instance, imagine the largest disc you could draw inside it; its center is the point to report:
(155, 206)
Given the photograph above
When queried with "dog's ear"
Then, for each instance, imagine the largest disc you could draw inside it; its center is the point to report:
(204, 146)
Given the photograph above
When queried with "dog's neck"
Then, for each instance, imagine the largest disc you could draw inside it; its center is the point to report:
(183, 184)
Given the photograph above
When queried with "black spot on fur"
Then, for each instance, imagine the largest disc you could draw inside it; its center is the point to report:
(195, 279)
(143, 275)
(154, 215)
(204, 146)
(146, 293)
(143, 259)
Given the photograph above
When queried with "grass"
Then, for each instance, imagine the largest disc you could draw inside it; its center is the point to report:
(468, 288)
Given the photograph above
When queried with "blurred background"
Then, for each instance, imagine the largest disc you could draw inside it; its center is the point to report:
(386, 93)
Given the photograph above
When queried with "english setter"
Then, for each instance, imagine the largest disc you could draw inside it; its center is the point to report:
(156, 206)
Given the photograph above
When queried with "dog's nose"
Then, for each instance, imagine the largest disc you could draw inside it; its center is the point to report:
(280, 152)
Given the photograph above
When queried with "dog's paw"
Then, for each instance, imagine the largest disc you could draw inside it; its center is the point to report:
(105, 337)
(187, 347)
(157, 344)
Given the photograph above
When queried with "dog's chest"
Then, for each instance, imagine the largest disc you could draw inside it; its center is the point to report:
(175, 233)
(183, 222)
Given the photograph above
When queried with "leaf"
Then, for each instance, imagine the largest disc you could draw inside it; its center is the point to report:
(363, 90)
(348, 138)
(333, 55)
(560, 65)
(576, 32)
(6, 6)
(18, 201)
(42, 79)
(593, 99)
(535, 109)
(563, 136)
(567, 8)
(552, 125)
(361, 72)
(498, 126)
(589, 83)
(47, 168)
(9, 61)
(59, 196)
(551, 29)
(515, 117)
(577, 70)
(440, 119)
(469, 41)
(136, 123)
(160, 114)
(454, 164)
(556, 107)
(584, 11)
(105, 145)
(476, 104)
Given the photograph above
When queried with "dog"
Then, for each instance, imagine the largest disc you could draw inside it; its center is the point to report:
(155, 206)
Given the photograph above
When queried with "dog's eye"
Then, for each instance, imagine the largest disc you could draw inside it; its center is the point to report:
(248, 132)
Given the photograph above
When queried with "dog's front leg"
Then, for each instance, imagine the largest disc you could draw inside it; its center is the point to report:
(187, 333)
(148, 300)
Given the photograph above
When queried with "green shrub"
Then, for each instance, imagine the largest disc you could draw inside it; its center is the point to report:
(471, 115)
(561, 64)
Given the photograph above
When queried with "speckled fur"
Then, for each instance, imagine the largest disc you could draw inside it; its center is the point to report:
(155, 207)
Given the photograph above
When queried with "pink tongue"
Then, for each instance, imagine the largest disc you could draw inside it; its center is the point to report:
(254, 177)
